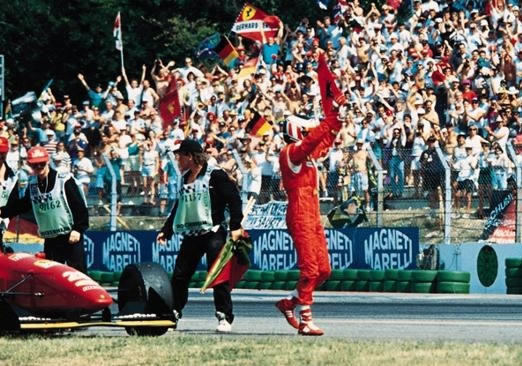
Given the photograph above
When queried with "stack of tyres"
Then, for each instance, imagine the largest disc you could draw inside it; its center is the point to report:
(116, 278)
(514, 275)
(349, 277)
(106, 278)
(280, 278)
(376, 281)
(292, 277)
(95, 275)
(423, 281)
(267, 278)
(363, 280)
(391, 277)
(253, 278)
(334, 282)
(453, 282)
(403, 283)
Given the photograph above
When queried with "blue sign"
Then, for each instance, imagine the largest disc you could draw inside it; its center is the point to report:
(371, 248)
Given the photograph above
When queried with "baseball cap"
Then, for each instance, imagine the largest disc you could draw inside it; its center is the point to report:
(37, 154)
(189, 146)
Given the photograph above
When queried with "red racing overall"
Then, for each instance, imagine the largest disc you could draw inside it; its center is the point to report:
(303, 218)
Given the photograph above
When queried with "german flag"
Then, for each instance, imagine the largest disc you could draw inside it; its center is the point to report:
(258, 126)
(226, 52)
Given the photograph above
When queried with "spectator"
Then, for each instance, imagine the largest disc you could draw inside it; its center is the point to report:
(83, 169)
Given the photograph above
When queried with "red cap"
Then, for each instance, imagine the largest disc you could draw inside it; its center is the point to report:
(37, 154)
(4, 145)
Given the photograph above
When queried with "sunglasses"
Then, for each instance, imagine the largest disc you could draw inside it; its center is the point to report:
(38, 165)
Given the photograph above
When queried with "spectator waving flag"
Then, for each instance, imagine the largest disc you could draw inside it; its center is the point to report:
(116, 33)
(251, 20)
(258, 126)
(329, 90)
(206, 47)
(249, 68)
(227, 52)
(323, 4)
(169, 105)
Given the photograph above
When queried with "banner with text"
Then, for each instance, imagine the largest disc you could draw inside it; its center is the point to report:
(372, 248)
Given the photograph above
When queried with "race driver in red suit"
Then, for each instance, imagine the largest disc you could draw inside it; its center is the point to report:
(303, 218)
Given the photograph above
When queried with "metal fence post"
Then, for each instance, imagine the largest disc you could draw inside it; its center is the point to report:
(518, 170)
(114, 194)
(447, 196)
(380, 187)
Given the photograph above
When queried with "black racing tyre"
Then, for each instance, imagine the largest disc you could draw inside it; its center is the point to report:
(9, 321)
(513, 262)
(146, 289)
(453, 276)
(423, 275)
(453, 288)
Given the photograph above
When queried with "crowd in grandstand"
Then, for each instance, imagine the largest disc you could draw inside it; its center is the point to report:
(451, 75)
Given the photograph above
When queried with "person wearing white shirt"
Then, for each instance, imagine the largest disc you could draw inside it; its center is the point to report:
(83, 169)
(467, 172)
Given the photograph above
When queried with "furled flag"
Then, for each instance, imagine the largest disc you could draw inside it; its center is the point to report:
(258, 126)
(329, 90)
(206, 47)
(251, 20)
(227, 52)
(169, 105)
(116, 33)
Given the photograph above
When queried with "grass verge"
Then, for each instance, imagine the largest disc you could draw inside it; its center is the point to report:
(182, 349)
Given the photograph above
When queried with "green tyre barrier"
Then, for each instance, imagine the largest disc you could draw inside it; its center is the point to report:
(253, 275)
(376, 275)
(293, 275)
(106, 278)
(95, 275)
(350, 274)
(391, 274)
(514, 282)
(361, 286)
(241, 284)
(281, 275)
(453, 276)
(513, 262)
(332, 285)
(192, 284)
(265, 285)
(423, 276)
(363, 274)
(347, 285)
(199, 276)
(513, 271)
(337, 275)
(290, 285)
(267, 276)
(422, 287)
(453, 288)
(403, 286)
(375, 286)
(252, 284)
(514, 290)
(389, 286)
(278, 285)
(403, 275)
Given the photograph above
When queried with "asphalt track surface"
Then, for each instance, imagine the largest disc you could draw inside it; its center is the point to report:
(363, 316)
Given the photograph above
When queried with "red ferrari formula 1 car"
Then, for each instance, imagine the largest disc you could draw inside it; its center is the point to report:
(40, 294)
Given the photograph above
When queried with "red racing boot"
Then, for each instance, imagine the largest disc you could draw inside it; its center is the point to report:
(307, 326)
(287, 307)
